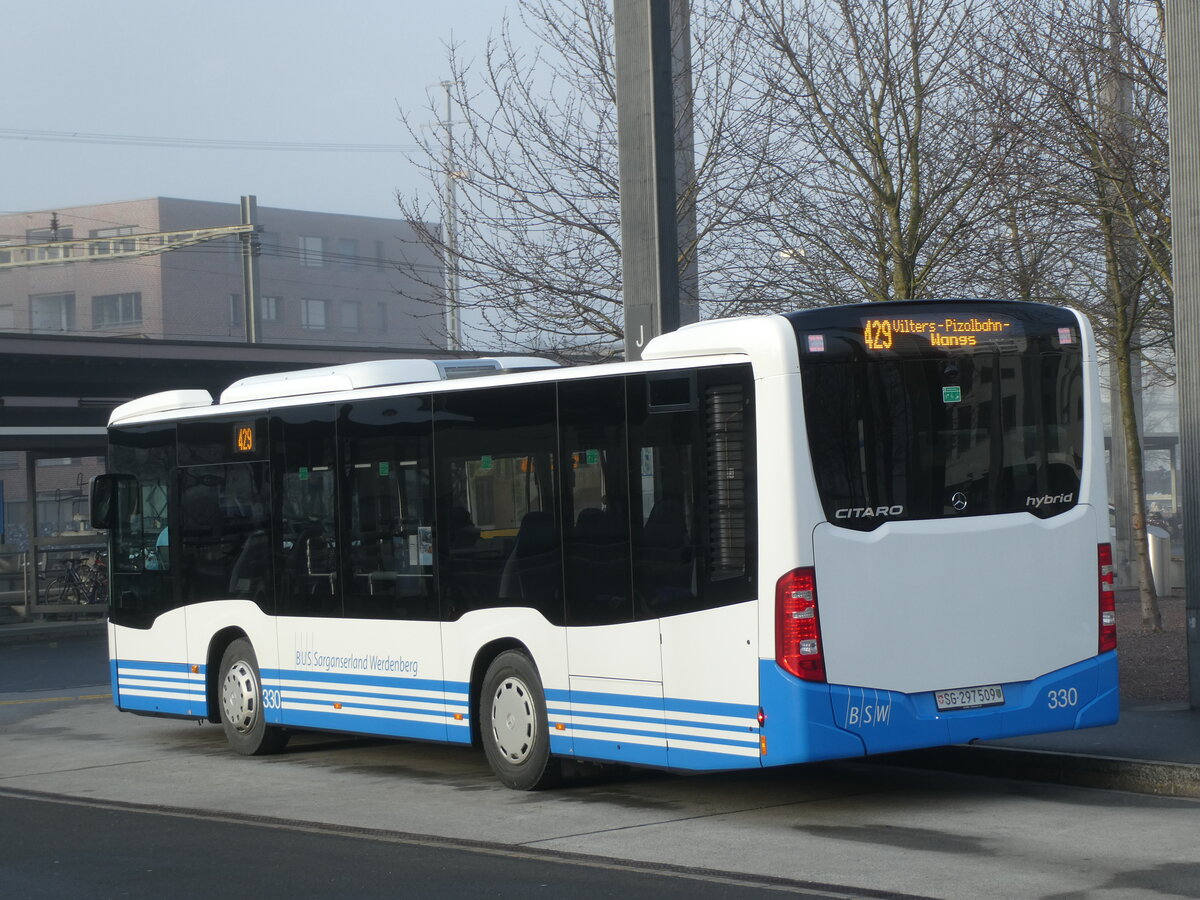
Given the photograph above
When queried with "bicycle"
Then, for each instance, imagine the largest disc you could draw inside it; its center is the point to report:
(83, 582)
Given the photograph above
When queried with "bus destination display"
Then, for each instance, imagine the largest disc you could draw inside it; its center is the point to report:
(940, 331)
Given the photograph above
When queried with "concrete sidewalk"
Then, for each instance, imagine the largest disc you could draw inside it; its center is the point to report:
(1153, 749)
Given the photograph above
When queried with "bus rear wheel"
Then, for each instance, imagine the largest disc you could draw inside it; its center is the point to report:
(241, 693)
(513, 724)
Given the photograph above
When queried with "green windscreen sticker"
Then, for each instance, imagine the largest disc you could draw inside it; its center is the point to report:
(952, 394)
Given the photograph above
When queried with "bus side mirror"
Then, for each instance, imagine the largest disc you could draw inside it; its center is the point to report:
(112, 495)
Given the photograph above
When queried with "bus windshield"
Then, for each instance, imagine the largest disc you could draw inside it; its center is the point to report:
(913, 413)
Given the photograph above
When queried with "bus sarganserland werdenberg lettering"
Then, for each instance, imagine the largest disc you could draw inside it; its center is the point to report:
(824, 534)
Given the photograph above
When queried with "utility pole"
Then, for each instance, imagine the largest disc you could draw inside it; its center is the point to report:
(1183, 98)
(450, 229)
(685, 161)
(651, 152)
(250, 285)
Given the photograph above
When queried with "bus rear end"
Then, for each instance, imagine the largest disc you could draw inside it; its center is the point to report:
(961, 579)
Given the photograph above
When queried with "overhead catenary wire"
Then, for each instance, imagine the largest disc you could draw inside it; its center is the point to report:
(136, 140)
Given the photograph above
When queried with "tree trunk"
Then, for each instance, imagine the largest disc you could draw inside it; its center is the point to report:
(1122, 362)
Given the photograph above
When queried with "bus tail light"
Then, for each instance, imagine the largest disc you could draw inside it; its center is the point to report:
(1108, 605)
(798, 647)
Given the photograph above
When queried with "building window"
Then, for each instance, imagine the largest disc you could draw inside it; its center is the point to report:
(269, 309)
(350, 315)
(105, 247)
(117, 309)
(52, 312)
(379, 260)
(347, 253)
(47, 236)
(235, 309)
(313, 314)
(7, 319)
(383, 317)
(312, 251)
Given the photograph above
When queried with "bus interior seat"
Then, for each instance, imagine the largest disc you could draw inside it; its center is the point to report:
(531, 572)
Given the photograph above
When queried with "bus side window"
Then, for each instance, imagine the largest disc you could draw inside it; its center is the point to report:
(498, 535)
(140, 593)
(223, 533)
(596, 498)
(387, 535)
(306, 474)
(663, 430)
(692, 488)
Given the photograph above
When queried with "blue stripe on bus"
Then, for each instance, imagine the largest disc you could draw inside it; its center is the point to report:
(668, 704)
(149, 666)
(711, 708)
(290, 700)
(396, 695)
(125, 673)
(421, 684)
(350, 722)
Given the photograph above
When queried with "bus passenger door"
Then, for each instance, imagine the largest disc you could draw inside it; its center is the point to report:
(613, 656)
(148, 648)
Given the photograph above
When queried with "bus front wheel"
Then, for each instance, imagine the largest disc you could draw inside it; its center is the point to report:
(513, 724)
(246, 727)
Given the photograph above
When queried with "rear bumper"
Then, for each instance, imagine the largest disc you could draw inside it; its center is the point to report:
(867, 720)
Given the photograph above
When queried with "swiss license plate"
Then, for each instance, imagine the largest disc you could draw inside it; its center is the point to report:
(969, 698)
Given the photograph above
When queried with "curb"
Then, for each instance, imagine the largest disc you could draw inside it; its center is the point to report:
(1164, 779)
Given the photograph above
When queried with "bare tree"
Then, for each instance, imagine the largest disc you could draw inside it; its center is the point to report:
(884, 161)
(538, 244)
(1090, 99)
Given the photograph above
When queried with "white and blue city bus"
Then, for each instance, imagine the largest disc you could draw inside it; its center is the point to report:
(817, 535)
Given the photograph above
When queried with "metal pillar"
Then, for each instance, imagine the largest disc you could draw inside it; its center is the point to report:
(1183, 78)
(250, 283)
(685, 162)
(647, 150)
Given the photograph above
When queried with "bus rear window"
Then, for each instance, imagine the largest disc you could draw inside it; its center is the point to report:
(904, 425)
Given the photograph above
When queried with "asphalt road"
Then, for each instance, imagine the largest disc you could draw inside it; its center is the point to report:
(82, 849)
(53, 665)
(84, 789)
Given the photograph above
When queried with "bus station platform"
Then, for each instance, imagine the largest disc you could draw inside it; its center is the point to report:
(1153, 749)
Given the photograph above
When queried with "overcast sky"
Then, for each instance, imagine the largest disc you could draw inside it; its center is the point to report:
(284, 71)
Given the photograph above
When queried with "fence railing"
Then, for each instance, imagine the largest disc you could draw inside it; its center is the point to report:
(66, 575)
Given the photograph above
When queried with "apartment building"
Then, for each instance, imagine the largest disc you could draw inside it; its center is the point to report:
(324, 278)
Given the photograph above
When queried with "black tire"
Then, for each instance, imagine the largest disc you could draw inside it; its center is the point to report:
(513, 724)
(56, 590)
(240, 697)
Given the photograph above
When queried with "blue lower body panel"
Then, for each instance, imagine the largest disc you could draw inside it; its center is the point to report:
(158, 688)
(807, 722)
